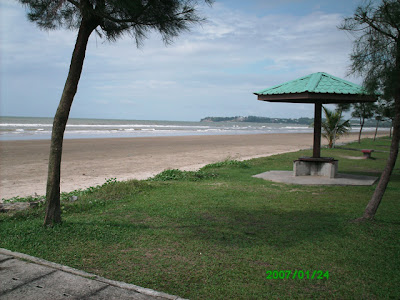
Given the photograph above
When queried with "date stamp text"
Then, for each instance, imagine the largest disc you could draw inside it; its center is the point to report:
(297, 274)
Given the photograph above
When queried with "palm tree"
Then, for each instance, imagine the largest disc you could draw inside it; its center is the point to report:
(333, 126)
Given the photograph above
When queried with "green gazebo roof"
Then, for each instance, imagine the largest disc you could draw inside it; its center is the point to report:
(317, 87)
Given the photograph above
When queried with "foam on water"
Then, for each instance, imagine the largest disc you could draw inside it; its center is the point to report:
(15, 128)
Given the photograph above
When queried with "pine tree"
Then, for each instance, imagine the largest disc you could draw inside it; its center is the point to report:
(379, 114)
(389, 113)
(376, 56)
(111, 19)
(363, 111)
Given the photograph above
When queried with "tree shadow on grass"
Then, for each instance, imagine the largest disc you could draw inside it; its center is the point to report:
(227, 226)
(362, 173)
(223, 227)
(281, 229)
(395, 177)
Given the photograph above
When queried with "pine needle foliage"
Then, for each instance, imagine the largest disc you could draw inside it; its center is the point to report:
(116, 18)
(376, 28)
(376, 57)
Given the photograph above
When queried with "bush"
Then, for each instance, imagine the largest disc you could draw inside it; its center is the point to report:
(226, 162)
(175, 174)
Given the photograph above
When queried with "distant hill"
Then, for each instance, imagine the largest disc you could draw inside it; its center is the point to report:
(302, 121)
(254, 119)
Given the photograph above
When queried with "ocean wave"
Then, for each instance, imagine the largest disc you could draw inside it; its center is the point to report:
(296, 127)
(24, 125)
(40, 128)
(37, 125)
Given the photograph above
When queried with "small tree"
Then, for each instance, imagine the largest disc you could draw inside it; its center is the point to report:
(333, 126)
(389, 113)
(379, 115)
(111, 19)
(362, 111)
(378, 119)
(376, 56)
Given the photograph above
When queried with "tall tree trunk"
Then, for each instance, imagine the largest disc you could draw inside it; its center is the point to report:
(361, 128)
(391, 126)
(376, 199)
(53, 209)
(376, 129)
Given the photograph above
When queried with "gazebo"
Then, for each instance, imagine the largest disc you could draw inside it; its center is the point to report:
(318, 88)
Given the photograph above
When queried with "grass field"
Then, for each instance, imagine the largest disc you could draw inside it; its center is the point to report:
(217, 233)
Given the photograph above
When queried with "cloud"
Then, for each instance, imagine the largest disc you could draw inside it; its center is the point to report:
(213, 70)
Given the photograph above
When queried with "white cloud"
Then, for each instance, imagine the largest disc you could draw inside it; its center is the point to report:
(211, 71)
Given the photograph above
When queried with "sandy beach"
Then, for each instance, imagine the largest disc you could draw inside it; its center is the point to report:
(89, 162)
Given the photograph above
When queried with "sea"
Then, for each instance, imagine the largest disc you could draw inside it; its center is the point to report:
(30, 128)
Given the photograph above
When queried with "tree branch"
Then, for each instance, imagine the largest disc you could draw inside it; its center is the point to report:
(135, 21)
(371, 22)
(73, 2)
(389, 15)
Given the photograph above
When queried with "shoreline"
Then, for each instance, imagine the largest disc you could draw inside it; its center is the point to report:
(90, 162)
(145, 133)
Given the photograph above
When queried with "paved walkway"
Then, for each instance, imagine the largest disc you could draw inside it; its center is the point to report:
(27, 277)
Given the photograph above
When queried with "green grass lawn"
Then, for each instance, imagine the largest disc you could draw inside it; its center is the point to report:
(214, 234)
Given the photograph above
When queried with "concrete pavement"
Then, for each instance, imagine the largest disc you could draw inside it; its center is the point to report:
(27, 277)
(341, 179)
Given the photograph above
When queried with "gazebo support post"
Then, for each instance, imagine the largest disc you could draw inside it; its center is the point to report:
(317, 130)
(316, 165)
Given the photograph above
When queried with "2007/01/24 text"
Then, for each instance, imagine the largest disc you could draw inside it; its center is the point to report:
(299, 274)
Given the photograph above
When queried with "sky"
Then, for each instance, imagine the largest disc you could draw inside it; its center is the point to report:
(213, 70)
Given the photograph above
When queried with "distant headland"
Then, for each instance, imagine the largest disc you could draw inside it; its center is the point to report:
(301, 121)
(254, 119)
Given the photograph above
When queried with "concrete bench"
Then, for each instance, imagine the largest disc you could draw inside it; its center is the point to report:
(309, 166)
(367, 153)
